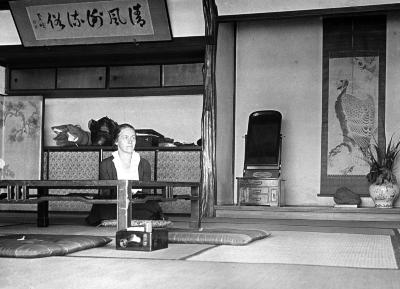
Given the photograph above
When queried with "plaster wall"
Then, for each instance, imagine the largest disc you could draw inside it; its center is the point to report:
(177, 117)
(8, 30)
(2, 80)
(279, 67)
(393, 74)
(225, 84)
(238, 7)
(392, 104)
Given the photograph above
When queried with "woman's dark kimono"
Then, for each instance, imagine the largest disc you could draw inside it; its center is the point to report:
(150, 210)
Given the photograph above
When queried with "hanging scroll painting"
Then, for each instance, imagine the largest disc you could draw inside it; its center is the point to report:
(21, 137)
(352, 108)
(352, 113)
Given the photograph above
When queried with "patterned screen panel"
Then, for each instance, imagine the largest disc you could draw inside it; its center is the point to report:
(21, 137)
(84, 165)
(72, 165)
(20, 140)
(183, 166)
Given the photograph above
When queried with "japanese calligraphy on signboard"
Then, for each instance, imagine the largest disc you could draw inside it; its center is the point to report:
(63, 22)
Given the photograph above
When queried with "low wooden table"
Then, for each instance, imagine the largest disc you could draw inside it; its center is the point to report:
(18, 192)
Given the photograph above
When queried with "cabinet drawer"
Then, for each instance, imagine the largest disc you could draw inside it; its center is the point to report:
(259, 182)
(135, 76)
(258, 199)
(82, 77)
(254, 196)
(183, 74)
(33, 78)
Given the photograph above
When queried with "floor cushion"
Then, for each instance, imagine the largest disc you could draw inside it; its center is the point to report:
(137, 223)
(204, 236)
(41, 245)
(235, 237)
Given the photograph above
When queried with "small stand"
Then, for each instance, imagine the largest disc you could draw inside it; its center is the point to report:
(261, 183)
(260, 191)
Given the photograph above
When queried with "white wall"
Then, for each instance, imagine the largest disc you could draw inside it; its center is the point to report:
(186, 17)
(238, 7)
(392, 82)
(225, 89)
(279, 67)
(177, 117)
(2, 80)
(393, 74)
(8, 31)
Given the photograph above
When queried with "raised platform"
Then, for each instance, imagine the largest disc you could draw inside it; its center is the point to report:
(308, 213)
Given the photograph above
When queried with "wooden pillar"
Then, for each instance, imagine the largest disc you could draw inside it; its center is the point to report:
(124, 205)
(208, 126)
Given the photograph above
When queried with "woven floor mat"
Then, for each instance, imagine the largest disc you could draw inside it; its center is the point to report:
(220, 236)
(44, 245)
(154, 223)
(310, 248)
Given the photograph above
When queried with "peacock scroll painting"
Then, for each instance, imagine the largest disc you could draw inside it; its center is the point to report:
(352, 113)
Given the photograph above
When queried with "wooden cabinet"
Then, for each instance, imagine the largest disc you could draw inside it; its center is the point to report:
(183, 74)
(135, 76)
(257, 191)
(120, 80)
(40, 78)
(81, 77)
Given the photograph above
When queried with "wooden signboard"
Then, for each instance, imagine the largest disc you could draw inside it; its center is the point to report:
(71, 22)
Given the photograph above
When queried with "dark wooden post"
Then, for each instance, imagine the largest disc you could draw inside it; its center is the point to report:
(43, 209)
(208, 126)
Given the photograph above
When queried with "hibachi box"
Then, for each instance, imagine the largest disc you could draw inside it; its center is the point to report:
(140, 240)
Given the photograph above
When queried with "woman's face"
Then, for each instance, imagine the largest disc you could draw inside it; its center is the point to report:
(126, 140)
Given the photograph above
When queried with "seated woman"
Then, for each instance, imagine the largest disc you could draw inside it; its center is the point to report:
(124, 164)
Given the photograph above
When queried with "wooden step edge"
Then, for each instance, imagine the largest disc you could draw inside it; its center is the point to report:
(339, 215)
(305, 209)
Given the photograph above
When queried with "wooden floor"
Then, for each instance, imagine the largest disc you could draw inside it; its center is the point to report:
(309, 213)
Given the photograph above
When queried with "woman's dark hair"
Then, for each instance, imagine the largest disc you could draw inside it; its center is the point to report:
(119, 129)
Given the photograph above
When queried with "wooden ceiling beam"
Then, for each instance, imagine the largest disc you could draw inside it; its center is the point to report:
(179, 50)
(338, 11)
(4, 5)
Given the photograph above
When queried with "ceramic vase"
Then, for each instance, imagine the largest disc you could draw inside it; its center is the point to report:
(384, 195)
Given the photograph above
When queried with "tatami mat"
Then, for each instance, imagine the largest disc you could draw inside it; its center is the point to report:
(310, 248)
(301, 244)
(173, 252)
(358, 250)
(69, 273)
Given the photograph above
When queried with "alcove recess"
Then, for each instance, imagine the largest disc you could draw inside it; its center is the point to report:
(111, 70)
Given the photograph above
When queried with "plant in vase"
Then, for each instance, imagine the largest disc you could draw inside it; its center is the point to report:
(383, 188)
